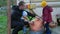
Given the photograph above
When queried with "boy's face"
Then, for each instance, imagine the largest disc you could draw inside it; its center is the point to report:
(22, 7)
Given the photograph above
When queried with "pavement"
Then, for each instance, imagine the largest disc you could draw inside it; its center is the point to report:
(56, 30)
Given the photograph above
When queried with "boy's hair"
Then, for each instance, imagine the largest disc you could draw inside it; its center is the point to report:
(21, 3)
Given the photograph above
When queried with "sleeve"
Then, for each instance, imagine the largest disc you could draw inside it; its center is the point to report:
(51, 9)
(24, 13)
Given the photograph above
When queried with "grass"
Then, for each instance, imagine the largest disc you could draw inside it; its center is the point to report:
(3, 24)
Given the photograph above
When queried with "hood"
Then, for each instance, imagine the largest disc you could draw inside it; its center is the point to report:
(15, 7)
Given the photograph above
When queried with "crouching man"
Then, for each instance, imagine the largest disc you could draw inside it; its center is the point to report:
(36, 26)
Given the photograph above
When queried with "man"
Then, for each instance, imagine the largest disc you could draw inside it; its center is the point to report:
(18, 16)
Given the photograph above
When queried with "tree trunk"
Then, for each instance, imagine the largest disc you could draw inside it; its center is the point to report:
(9, 16)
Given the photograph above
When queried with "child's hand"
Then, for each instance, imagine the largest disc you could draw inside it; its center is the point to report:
(44, 22)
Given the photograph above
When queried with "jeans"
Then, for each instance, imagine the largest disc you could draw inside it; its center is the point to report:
(37, 32)
(48, 31)
(17, 26)
(24, 30)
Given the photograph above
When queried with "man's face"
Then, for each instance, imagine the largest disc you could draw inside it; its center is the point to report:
(22, 7)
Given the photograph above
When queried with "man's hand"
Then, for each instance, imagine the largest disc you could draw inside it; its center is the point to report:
(31, 23)
(27, 20)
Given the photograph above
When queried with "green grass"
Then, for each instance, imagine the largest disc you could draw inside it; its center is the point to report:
(3, 24)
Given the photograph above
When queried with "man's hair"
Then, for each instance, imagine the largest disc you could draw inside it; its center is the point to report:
(21, 3)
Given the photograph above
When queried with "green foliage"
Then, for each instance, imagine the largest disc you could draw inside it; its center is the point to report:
(4, 2)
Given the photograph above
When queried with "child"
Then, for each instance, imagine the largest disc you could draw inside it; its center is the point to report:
(47, 17)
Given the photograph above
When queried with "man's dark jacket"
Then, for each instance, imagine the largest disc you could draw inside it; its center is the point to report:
(16, 14)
